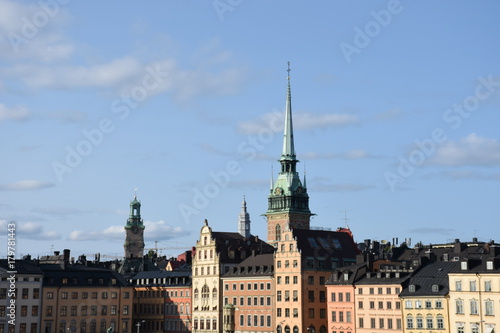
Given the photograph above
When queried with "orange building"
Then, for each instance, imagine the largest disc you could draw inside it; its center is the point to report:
(248, 290)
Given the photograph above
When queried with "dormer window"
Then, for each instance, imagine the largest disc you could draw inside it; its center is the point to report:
(463, 265)
(435, 288)
(489, 265)
(346, 276)
(411, 288)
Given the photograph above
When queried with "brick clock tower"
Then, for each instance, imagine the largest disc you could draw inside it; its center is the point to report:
(288, 201)
(134, 230)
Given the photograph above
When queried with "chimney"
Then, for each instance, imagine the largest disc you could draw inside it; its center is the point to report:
(66, 255)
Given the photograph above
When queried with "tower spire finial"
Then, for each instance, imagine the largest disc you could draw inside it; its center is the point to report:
(288, 152)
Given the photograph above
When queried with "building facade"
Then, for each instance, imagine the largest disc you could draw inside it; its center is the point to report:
(249, 295)
(22, 307)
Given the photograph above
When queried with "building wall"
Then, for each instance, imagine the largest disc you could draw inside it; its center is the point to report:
(341, 308)
(207, 296)
(474, 302)
(252, 298)
(28, 302)
(89, 309)
(378, 308)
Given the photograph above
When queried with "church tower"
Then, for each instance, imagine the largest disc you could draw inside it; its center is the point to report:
(288, 201)
(134, 230)
(244, 221)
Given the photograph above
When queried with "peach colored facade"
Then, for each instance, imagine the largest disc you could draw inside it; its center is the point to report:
(252, 299)
(341, 309)
(378, 307)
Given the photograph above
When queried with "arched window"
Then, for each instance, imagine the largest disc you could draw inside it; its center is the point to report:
(187, 308)
(205, 292)
(322, 329)
(202, 324)
(287, 329)
(181, 308)
(196, 293)
(93, 326)
(195, 324)
(278, 329)
(208, 324)
(214, 323)
(278, 232)
(214, 293)
(311, 329)
(83, 326)
(103, 326)
(295, 329)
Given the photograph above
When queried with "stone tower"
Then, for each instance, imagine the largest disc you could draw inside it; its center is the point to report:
(244, 220)
(134, 231)
(288, 201)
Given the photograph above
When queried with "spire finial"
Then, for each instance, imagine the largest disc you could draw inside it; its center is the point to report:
(135, 193)
(288, 70)
(288, 147)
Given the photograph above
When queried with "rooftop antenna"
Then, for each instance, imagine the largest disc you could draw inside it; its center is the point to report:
(345, 218)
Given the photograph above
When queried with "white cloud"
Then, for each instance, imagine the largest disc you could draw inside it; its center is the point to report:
(29, 230)
(25, 185)
(17, 113)
(301, 121)
(471, 150)
(33, 31)
(159, 230)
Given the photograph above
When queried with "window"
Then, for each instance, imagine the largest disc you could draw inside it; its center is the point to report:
(287, 312)
(389, 305)
(380, 305)
(389, 323)
(372, 305)
(104, 295)
(360, 304)
(439, 304)
(411, 288)
(418, 304)
(348, 316)
(84, 310)
(278, 281)
(311, 295)
(334, 316)
(361, 323)
(310, 280)
(360, 291)
(435, 288)
(372, 291)
(24, 311)
(459, 306)
(379, 291)
(295, 279)
(64, 295)
(333, 297)
(440, 323)
(381, 323)
(347, 297)
(487, 285)
(278, 264)
(372, 322)
(50, 295)
(341, 297)
(472, 285)
(311, 313)
(409, 322)
(295, 296)
(428, 304)
(278, 312)
(398, 305)
(113, 310)
(488, 307)
(287, 279)
(473, 307)
(268, 286)
(36, 293)
(388, 290)
(322, 313)
(104, 310)
(278, 295)
(420, 322)
(458, 285)
(430, 322)
(34, 310)
(242, 320)
(64, 310)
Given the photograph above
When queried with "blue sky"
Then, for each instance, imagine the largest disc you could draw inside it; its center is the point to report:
(395, 107)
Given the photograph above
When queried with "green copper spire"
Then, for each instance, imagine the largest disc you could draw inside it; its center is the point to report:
(288, 152)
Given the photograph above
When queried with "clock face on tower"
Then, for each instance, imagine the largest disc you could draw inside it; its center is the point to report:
(278, 191)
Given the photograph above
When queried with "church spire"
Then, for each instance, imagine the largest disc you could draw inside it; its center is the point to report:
(288, 152)
(244, 220)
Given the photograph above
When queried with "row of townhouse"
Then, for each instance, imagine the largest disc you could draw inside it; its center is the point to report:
(55, 298)
(457, 297)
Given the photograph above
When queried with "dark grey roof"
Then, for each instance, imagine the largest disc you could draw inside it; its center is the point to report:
(261, 264)
(80, 276)
(423, 280)
(239, 246)
(21, 266)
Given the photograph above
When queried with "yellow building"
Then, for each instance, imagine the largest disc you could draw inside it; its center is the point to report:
(475, 296)
(424, 300)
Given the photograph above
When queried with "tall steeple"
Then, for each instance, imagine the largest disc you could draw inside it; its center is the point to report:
(134, 231)
(288, 201)
(244, 220)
